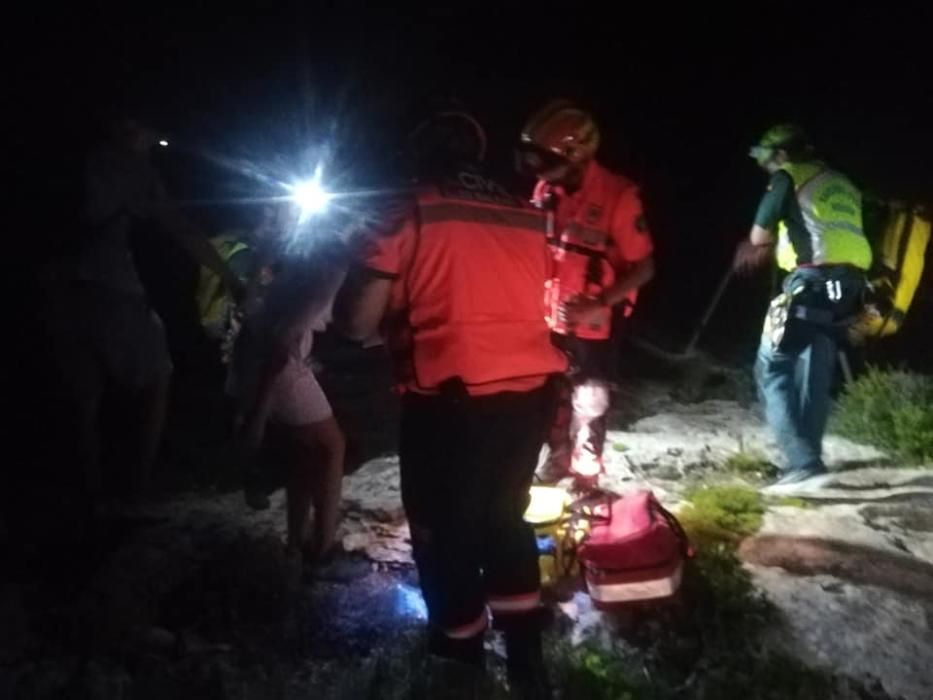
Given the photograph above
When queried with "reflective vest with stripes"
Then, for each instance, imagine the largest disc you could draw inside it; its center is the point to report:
(473, 288)
(579, 249)
(832, 214)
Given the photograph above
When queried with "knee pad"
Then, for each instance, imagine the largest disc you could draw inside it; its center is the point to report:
(591, 399)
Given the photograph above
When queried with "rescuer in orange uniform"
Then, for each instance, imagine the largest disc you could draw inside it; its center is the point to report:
(457, 289)
(601, 253)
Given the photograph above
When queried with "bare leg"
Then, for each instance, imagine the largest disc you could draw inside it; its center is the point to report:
(315, 477)
(298, 489)
(327, 486)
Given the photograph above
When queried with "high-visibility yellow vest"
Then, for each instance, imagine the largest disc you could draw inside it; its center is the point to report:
(832, 214)
(212, 297)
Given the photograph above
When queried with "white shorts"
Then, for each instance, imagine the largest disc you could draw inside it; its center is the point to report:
(297, 398)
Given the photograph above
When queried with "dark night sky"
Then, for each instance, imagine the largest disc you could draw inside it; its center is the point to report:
(680, 93)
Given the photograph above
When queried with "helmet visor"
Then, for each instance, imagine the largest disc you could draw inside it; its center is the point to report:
(531, 159)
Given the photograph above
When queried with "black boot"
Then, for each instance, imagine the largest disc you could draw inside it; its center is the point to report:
(525, 658)
(454, 670)
(468, 651)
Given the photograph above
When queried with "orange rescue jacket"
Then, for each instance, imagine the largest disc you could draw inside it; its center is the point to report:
(592, 233)
(469, 266)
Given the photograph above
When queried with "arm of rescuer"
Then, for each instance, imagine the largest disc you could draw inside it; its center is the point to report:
(364, 300)
(631, 256)
(196, 244)
(147, 199)
(363, 303)
(755, 251)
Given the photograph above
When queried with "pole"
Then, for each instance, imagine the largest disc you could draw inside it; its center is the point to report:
(708, 314)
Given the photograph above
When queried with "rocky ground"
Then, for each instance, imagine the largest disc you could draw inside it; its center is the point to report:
(193, 597)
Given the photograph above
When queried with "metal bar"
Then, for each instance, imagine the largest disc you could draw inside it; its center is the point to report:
(708, 314)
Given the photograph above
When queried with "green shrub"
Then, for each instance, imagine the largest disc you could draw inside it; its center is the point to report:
(890, 409)
(722, 514)
(750, 464)
(716, 519)
(588, 671)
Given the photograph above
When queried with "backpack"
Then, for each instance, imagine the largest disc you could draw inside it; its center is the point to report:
(900, 249)
(628, 548)
(635, 551)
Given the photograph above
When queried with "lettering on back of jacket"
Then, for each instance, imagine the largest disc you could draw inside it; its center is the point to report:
(474, 187)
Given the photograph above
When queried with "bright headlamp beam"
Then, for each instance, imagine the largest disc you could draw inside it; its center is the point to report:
(311, 196)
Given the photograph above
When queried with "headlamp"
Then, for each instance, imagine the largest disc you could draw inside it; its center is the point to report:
(311, 196)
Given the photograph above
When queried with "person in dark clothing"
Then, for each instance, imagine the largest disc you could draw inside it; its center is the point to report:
(102, 328)
(458, 289)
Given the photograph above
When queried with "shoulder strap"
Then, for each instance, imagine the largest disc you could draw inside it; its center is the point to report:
(675, 526)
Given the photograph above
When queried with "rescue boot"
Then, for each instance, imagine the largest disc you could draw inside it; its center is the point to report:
(445, 679)
(469, 651)
(525, 666)
(799, 480)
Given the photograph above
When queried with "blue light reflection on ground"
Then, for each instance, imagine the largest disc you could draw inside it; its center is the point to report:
(408, 602)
